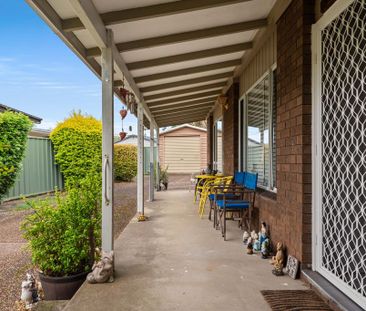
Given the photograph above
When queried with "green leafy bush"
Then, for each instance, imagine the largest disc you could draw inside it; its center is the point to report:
(78, 147)
(14, 128)
(63, 235)
(125, 162)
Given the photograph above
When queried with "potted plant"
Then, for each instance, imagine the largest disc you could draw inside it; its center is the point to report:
(63, 236)
(164, 179)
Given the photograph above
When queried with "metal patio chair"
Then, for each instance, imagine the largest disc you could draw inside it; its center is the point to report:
(209, 188)
(238, 180)
(242, 205)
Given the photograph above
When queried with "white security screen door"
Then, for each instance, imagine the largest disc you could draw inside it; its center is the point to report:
(339, 147)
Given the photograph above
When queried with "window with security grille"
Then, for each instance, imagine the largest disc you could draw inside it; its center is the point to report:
(260, 123)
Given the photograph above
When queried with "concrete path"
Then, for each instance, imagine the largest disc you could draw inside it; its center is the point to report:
(177, 261)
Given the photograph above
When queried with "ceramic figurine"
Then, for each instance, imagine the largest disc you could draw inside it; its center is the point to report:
(264, 241)
(263, 233)
(250, 246)
(245, 237)
(102, 270)
(278, 260)
(27, 294)
(34, 286)
(265, 248)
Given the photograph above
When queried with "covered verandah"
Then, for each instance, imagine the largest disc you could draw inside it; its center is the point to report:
(212, 60)
(177, 58)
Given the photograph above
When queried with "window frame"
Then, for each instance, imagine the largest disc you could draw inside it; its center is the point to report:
(215, 146)
(243, 126)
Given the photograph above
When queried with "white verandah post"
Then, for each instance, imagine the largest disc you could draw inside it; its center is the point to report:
(107, 144)
(151, 188)
(157, 161)
(140, 162)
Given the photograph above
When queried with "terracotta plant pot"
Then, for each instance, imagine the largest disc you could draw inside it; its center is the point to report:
(122, 135)
(61, 288)
(123, 113)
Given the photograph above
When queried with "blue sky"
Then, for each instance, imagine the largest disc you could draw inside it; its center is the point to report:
(40, 75)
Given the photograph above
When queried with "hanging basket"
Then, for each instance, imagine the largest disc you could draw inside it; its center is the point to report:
(122, 135)
(123, 113)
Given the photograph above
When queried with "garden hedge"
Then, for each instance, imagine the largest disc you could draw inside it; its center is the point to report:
(14, 128)
(125, 162)
(78, 147)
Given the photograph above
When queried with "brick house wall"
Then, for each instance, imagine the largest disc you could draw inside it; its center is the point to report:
(230, 131)
(289, 217)
(287, 213)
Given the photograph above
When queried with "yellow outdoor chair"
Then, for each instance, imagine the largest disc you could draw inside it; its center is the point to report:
(208, 189)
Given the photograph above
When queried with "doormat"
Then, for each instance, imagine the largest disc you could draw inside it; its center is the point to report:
(294, 300)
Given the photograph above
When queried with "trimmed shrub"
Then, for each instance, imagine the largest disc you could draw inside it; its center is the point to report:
(125, 162)
(14, 128)
(78, 147)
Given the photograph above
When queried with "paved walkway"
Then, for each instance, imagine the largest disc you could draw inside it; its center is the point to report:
(177, 261)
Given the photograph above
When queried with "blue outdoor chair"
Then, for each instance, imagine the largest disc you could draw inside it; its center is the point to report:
(238, 181)
(242, 204)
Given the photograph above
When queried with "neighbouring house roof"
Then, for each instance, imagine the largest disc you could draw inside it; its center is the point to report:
(132, 139)
(183, 126)
(37, 132)
(32, 117)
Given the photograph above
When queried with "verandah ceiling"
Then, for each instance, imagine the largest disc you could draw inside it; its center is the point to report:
(179, 54)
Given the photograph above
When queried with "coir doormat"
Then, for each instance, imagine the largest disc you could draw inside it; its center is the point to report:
(294, 300)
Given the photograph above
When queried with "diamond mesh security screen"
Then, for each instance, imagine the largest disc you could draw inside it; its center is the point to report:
(343, 98)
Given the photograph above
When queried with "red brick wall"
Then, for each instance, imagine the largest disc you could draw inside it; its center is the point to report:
(230, 131)
(289, 217)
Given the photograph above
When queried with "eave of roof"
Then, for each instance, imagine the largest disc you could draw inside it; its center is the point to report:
(33, 118)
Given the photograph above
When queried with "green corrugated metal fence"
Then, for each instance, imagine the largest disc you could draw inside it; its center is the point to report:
(39, 172)
(147, 159)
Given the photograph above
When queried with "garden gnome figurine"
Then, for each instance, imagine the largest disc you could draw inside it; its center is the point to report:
(264, 241)
(278, 260)
(250, 246)
(102, 270)
(245, 237)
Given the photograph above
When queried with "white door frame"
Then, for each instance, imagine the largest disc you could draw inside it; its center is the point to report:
(333, 12)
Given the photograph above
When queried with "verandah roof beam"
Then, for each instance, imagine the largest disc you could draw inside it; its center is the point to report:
(180, 106)
(187, 71)
(184, 98)
(190, 56)
(157, 10)
(185, 111)
(184, 36)
(170, 85)
(185, 119)
(176, 122)
(89, 16)
(192, 102)
(201, 114)
(217, 85)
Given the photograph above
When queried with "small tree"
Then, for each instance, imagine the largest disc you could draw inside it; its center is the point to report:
(14, 128)
(78, 147)
(125, 162)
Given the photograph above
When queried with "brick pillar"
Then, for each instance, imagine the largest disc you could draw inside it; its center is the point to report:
(294, 128)
(210, 125)
(230, 131)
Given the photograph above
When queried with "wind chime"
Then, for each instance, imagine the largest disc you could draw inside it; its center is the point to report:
(128, 98)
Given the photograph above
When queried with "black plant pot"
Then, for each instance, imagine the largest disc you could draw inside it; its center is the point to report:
(61, 288)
